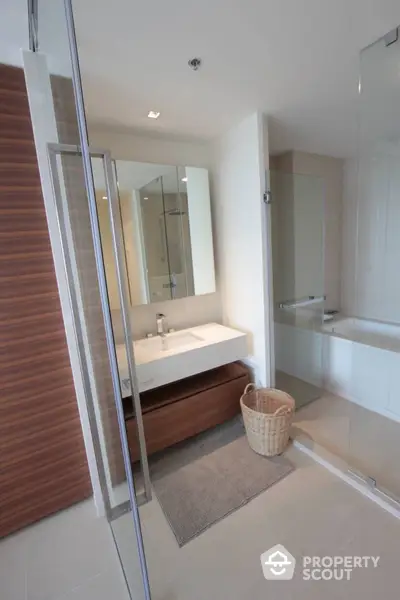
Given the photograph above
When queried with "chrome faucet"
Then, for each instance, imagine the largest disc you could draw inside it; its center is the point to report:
(160, 324)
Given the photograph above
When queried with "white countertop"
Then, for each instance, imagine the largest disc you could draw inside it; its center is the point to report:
(188, 346)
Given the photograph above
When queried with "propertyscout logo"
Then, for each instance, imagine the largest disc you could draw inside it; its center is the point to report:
(278, 564)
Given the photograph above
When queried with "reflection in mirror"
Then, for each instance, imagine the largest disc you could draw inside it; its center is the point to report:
(106, 235)
(166, 224)
(166, 238)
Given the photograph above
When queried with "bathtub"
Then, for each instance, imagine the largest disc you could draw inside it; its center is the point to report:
(371, 333)
(354, 358)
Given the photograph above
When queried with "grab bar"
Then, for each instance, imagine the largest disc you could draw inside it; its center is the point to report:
(307, 301)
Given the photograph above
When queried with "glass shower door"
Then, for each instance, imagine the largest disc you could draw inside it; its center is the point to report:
(57, 109)
(123, 490)
(375, 357)
(297, 232)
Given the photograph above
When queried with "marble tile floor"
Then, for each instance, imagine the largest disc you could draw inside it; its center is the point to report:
(310, 512)
(366, 440)
(69, 556)
(72, 555)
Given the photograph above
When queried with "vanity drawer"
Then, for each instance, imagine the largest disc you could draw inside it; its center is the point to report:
(182, 419)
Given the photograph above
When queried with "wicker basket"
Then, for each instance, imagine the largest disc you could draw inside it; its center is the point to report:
(267, 415)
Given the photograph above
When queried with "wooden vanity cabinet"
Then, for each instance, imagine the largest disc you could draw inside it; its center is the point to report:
(180, 410)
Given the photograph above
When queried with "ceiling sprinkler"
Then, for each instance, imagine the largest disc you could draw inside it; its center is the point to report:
(194, 63)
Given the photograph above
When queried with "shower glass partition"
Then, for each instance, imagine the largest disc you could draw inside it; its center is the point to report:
(375, 347)
(65, 163)
(297, 236)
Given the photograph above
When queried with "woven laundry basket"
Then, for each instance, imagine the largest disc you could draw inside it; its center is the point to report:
(267, 415)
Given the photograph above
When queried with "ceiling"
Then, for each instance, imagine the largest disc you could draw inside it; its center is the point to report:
(296, 60)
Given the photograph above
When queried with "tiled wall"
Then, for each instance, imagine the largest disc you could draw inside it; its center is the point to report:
(371, 237)
(330, 171)
(325, 176)
(349, 238)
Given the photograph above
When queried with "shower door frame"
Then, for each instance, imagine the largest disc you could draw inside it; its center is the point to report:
(55, 150)
(71, 293)
(112, 513)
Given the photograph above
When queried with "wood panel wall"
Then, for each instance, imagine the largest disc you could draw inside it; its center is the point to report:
(43, 466)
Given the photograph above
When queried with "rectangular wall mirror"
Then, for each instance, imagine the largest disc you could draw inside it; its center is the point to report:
(166, 223)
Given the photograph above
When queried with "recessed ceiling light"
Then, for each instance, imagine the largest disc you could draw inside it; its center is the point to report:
(184, 179)
(104, 197)
(153, 114)
(145, 198)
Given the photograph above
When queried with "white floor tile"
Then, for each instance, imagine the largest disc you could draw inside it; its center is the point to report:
(310, 512)
(109, 585)
(67, 550)
(125, 536)
(58, 555)
(72, 556)
(12, 568)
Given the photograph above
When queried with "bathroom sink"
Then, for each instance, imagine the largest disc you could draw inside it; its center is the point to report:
(180, 339)
(169, 342)
(163, 359)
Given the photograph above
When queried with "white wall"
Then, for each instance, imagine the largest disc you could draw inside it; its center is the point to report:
(298, 236)
(330, 171)
(152, 149)
(371, 235)
(316, 193)
(240, 225)
(194, 310)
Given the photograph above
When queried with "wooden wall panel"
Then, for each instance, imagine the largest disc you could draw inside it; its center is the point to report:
(43, 466)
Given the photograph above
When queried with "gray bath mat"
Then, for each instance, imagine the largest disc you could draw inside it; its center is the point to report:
(202, 480)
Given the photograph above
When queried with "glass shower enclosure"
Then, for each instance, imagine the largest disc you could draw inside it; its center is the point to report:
(358, 424)
(374, 441)
(297, 237)
(66, 168)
